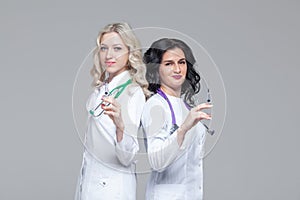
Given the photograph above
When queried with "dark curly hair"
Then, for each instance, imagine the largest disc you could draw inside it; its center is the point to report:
(153, 57)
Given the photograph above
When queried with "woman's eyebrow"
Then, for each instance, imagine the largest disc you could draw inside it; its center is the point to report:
(173, 60)
(117, 44)
(168, 61)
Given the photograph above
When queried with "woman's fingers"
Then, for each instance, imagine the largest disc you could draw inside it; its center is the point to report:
(112, 109)
(199, 115)
(203, 106)
(109, 100)
(109, 107)
(111, 113)
(203, 115)
(110, 103)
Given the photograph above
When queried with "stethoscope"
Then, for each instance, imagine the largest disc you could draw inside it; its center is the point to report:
(174, 125)
(208, 100)
(117, 91)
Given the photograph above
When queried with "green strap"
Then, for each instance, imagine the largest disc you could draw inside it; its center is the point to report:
(123, 86)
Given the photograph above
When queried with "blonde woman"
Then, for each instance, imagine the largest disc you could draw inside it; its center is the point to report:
(114, 109)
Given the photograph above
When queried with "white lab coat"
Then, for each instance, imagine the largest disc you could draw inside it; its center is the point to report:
(108, 167)
(177, 172)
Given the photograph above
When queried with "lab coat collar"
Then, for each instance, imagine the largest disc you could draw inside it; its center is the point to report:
(119, 79)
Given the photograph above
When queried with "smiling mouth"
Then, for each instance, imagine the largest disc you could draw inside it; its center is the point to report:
(177, 76)
(109, 63)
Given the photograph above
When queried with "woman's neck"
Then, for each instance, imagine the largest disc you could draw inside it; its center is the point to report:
(171, 92)
(112, 76)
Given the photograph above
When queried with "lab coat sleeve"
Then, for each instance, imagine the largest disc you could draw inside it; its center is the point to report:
(162, 152)
(128, 146)
(163, 148)
(91, 100)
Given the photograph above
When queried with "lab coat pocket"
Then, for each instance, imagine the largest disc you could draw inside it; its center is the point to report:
(169, 191)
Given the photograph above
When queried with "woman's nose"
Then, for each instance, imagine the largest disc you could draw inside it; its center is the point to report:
(109, 53)
(176, 68)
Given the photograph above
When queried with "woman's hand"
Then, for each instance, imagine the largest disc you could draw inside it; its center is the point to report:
(113, 109)
(195, 115)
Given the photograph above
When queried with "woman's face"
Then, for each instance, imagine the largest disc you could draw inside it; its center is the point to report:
(172, 71)
(113, 54)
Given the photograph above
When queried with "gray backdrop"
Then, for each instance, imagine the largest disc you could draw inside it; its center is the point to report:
(255, 44)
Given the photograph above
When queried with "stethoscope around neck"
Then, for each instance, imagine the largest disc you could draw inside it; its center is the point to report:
(174, 125)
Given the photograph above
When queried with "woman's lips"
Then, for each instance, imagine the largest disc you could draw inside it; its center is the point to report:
(177, 76)
(109, 63)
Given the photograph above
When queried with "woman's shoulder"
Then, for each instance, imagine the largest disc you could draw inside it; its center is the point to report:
(155, 100)
(135, 89)
(154, 108)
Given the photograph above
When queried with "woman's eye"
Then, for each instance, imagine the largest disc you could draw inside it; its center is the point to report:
(168, 64)
(117, 48)
(182, 62)
(103, 48)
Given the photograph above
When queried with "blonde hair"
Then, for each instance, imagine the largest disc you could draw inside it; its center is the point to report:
(136, 67)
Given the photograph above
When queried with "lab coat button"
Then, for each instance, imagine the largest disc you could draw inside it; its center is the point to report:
(103, 183)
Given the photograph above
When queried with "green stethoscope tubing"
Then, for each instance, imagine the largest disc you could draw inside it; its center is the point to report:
(120, 89)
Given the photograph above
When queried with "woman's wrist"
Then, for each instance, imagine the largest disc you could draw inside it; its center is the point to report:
(119, 133)
(181, 131)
